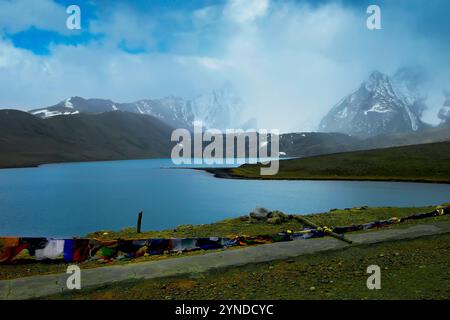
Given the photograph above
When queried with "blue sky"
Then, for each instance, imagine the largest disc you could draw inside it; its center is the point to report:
(168, 18)
(300, 57)
(426, 18)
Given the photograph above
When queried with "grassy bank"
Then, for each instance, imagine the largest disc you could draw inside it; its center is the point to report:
(413, 269)
(229, 227)
(417, 163)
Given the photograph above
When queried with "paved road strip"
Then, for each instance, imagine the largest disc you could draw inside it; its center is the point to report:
(39, 286)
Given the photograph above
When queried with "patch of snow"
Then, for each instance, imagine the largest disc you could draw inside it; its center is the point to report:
(343, 113)
(39, 111)
(377, 108)
(68, 104)
(47, 113)
(412, 117)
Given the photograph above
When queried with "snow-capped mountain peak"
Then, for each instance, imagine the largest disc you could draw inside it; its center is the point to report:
(381, 105)
(217, 109)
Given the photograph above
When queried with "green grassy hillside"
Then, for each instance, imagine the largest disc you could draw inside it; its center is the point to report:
(425, 162)
(26, 140)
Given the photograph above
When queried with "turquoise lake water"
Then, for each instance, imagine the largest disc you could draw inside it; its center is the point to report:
(63, 200)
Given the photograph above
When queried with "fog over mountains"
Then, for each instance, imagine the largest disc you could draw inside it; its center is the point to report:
(444, 112)
(382, 104)
(219, 109)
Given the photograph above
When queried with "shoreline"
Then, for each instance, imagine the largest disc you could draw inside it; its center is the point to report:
(224, 173)
(39, 164)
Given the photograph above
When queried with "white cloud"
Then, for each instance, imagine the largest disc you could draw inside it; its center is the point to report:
(284, 64)
(126, 27)
(291, 62)
(206, 15)
(243, 11)
(19, 15)
(212, 63)
(300, 60)
(29, 81)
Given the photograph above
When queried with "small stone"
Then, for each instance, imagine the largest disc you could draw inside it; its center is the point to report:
(312, 288)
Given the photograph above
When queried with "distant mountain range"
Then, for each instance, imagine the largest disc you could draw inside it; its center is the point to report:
(27, 140)
(384, 112)
(219, 109)
(381, 105)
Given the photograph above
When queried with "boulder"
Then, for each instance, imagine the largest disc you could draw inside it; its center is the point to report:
(259, 213)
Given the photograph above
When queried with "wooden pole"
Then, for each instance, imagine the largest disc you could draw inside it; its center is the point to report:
(315, 226)
(306, 221)
(138, 227)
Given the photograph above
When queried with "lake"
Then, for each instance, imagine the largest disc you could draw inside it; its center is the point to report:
(64, 200)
